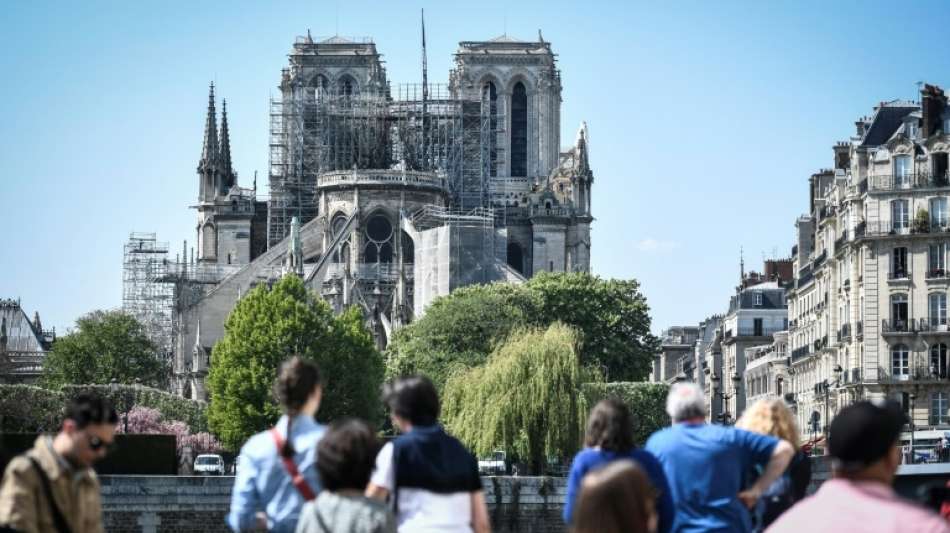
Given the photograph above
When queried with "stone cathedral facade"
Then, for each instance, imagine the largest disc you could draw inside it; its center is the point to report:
(387, 196)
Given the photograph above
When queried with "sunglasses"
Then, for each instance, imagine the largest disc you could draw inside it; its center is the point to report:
(96, 444)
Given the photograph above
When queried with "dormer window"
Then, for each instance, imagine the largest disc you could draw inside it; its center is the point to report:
(911, 129)
(946, 125)
(757, 299)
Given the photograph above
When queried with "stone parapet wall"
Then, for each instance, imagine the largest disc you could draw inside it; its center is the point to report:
(193, 504)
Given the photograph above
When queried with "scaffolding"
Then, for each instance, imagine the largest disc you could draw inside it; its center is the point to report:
(144, 295)
(415, 127)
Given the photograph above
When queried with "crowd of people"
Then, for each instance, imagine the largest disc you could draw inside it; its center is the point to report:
(691, 476)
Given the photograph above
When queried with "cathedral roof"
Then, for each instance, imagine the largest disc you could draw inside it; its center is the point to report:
(21, 336)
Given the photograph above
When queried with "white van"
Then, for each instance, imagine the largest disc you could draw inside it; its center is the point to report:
(209, 464)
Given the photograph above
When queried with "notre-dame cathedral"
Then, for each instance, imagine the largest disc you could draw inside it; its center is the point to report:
(386, 196)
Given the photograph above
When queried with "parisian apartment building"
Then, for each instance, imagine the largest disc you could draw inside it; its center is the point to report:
(868, 310)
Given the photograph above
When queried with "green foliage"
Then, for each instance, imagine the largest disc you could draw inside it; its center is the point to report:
(106, 345)
(646, 401)
(458, 331)
(527, 398)
(611, 316)
(922, 221)
(25, 408)
(266, 327)
(28, 409)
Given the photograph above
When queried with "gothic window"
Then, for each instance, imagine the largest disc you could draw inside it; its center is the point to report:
(379, 236)
(208, 246)
(938, 360)
(900, 361)
(408, 249)
(320, 84)
(519, 130)
(515, 257)
(346, 86)
(340, 255)
(490, 99)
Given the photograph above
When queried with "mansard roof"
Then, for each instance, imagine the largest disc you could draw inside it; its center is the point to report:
(888, 117)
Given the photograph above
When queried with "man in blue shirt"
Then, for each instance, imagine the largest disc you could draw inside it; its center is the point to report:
(705, 464)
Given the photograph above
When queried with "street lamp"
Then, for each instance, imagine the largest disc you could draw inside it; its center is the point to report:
(717, 391)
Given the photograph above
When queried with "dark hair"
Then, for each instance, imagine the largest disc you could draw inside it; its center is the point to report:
(610, 426)
(617, 498)
(296, 381)
(346, 455)
(413, 398)
(86, 409)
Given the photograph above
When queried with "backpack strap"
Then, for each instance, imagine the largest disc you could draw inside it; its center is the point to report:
(59, 521)
(295, 476)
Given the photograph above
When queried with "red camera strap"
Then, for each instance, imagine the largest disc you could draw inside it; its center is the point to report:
(295, 476)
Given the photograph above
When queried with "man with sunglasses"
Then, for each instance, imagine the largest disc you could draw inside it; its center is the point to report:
(52, 487)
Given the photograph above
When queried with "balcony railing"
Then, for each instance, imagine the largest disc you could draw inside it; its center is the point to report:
(913, 373)
(898, 275)
(859, 328)
(897, 326)
(800, 353)
(937, 273)
(920, 180)
(820, 259)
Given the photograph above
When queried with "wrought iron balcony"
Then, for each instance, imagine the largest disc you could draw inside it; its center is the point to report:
(919, 180)
(898, 326)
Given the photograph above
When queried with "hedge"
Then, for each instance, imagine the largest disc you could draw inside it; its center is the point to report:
(647, 403)
(26, 408)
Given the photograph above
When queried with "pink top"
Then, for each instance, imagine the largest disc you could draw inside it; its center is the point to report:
(841, 506)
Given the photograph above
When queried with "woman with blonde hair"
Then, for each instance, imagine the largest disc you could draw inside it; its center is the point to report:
(773, 417)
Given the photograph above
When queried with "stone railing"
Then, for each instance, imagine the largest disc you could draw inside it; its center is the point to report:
(187, 504)
(349, 178)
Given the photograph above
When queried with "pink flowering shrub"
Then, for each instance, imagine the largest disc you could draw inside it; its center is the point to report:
(145, 420)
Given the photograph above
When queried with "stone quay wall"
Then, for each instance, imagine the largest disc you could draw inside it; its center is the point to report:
(193, 504)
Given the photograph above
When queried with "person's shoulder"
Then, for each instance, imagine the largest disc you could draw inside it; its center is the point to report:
(19, 465)
(659, 437)
(259, 445)
(587, 455)
(646, 457)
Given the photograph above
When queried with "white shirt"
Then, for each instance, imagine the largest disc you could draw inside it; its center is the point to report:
(422, 511)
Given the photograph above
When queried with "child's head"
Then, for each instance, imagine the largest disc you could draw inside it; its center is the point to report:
(346, 455)
(616, 498)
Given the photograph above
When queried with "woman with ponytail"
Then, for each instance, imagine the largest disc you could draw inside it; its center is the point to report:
(277, 468)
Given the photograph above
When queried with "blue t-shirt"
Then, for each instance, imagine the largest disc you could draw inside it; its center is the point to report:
(705, 464)
(591, 459)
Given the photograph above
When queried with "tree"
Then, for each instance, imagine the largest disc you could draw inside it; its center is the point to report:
(646, 401)
(106, 346)
(527, 398)
(267, 326)
(458, 331)
(611, 316)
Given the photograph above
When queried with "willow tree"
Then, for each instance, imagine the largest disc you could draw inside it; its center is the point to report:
(526, 399)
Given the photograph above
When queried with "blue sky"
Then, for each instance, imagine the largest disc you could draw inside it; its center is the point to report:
(706, 119)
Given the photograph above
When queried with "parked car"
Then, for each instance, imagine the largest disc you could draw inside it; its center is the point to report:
(494, 465)
(209, 464)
